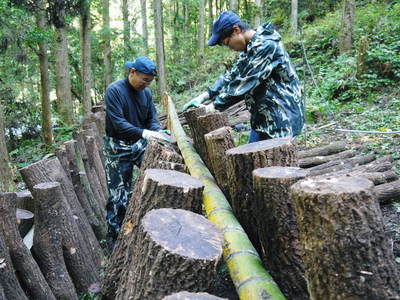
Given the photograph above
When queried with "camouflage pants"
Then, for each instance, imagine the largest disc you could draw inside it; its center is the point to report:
(120, 160)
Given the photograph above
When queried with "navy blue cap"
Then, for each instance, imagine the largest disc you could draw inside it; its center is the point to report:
(226, 19)
(143, 64)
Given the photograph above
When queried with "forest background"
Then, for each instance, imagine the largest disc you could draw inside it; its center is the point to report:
(57, 57)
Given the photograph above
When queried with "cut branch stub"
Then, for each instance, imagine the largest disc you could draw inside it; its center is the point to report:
(26, 267)
(174, 250)
(192, 296)
(346, 251)
(242, 161)
(277, 228)
(47, 240)
(161, 188)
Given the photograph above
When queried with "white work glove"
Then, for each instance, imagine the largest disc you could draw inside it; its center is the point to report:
(196, 102)
(150, 134)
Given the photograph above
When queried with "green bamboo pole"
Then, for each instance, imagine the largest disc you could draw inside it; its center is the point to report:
(251, 280)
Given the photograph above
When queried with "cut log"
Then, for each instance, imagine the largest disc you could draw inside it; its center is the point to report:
(8, 280)
(32, 279)
(309, 162)
(174, 250)
(334, 166)
(62, 158)
(191, 117)
(168, 165)
(161, 188)
(332, 148)
(192, 296)
(90, 129)
(77, 256)
(51, 170)
(346, 251)
(242, 161)
(377, 177)
(47, 241)
(218, 142)
(277, 228)
(388, 192)
(25, 201)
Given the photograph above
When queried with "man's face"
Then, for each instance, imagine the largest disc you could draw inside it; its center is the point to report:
(139, 81)
(236, 41)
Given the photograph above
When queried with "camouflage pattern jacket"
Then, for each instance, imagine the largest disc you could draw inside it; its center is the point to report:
(264, 77)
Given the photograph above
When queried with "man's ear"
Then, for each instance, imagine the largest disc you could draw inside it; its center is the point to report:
(236, 29)
(132, 70)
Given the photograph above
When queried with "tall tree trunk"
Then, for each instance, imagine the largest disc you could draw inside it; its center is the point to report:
(47, 133)
(294, 16)
(257, 17)
(233, 5)
(107, 43)
(6, 177)
(158, 32)
(86, 58)
(201, 31)
(346, 28)
(127, 31)
(63, 80)
(186, 21)
(145, 32)
(210, 17)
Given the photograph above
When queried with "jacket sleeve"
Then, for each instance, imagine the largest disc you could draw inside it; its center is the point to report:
(152, 120)
(249, 71)
(114, 109)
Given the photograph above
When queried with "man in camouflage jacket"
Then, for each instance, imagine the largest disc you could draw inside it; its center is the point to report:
(262, 75)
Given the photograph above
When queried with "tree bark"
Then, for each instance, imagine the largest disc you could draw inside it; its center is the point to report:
(106, 43)
(25, 201)
(345, 250)
(47, 132)
(90, 128)
(242, 161)
(159, 37)
(218, 142)
(210, 17)
(126, 30)
(192, 296)
(63, 80)
(79, 232)
(145, 32)
(346, 29)
(233, 5)
(6, 176)
(186, 22)
(309, 162)
(161, 188)
(361, 56)
(8, 280)
(277, 228)
(26, 267)
(184, 243)
(388, 192)
(201, 31)
(294, 16)
(257, 16)
(86, 58)
(332, 148)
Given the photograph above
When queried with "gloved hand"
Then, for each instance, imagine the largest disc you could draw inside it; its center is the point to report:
(209, 107)
(150, 134)
(195, 102)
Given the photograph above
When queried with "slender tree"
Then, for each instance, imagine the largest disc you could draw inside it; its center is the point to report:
(158, 32)
(145, 33)
(210, 16)
(107, 43)
(6, 178)
(85, 30)
(201, 31)
(126, 31)
(233, 5)
(257, 16)
(346, 28)
(47, 132)
(294, 16)
(186, 21)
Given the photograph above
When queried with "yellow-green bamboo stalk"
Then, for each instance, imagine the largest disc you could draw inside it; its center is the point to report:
(251, 280)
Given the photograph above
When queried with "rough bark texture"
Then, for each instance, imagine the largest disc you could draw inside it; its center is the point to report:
(173, 250)
(106, 43)
(218, 142)
(346, 252)
(192, 296)
(332, 148)
(82, 251)
(257, 17)
(191, 117)
(382, 164)
(90, 128)
(6, 176)
(201, 31)
(167, 165)
(309, 162)
(388, 192)
(160, 188)
(346, 28)
(47, 240)
(8, 280)
(294, 16)
(159, 37)
(145, 32)
(25, 201)
(277, 228)
(26, 267)
(242, 161)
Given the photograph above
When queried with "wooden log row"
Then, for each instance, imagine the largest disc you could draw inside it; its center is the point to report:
(192, 296)
(173, 250)
(346, 252)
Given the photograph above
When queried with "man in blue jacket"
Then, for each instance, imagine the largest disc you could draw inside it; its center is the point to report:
(131, 119)
(262, 75)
